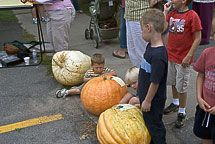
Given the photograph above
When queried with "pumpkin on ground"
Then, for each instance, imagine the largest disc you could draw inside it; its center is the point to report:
(69, 67)
(101, 93)
(122, 124)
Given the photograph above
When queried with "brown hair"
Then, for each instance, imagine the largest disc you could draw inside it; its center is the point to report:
(154, 17)
(188, 2)
(97, 59)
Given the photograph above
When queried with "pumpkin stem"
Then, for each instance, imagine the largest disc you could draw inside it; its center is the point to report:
(105, 78)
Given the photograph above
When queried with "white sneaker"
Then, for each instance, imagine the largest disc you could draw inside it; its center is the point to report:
(43, 19)
(34, 20)
(61, 93)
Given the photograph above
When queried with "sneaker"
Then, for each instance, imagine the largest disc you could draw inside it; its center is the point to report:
(180, 122)
(34, 20)
(61, 93)
(171, 108)
(43, 19)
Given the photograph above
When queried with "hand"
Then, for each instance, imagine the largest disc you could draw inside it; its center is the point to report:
(211, 110)
(204, 105)
(146, 106)
(186, 62)
(167, 7)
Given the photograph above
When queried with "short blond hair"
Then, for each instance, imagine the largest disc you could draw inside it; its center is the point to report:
(154, 17)
(97, 59)
(131, 75)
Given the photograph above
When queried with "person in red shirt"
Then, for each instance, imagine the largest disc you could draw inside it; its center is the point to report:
(184, 38)
(204, 124)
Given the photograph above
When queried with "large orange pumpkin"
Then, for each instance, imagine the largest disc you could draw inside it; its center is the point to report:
(101, 93)
(122, 124)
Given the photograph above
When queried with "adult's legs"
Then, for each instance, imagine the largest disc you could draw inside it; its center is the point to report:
(76, 4)
(123, 42)
(205, 12)
(135, 43)
(58, 28)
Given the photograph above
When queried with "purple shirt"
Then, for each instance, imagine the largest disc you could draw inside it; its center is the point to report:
(123, 3)
(59, 5)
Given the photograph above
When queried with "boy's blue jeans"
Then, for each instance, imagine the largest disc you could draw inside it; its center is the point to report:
(123, 41)
(154, 123)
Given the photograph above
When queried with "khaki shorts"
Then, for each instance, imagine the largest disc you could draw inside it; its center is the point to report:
(178, 76)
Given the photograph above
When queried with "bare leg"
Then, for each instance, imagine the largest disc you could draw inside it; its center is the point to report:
(33, 11)
(74, 91)
(182, 99)
(206, 141)
(41, 10)
(175, 92)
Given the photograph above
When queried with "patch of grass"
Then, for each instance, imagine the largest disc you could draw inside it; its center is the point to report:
(84, 5)
(7, 15)
(47, 61)
(27, 36)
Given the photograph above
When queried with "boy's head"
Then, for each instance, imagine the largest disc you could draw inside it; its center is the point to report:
(152, 22)
(131, 76)
(97, 63)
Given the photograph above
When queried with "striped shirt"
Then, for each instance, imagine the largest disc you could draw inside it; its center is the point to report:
(134, 9)
(91, 73)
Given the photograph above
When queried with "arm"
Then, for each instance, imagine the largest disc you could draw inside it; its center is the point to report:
(112, 72)
(167, 7)
(126, 98)
(146, 105)
(86, 79)
(199, 91)
(187, 58)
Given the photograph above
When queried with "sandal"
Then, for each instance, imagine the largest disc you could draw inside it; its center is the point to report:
(80, 11)
(116, 54)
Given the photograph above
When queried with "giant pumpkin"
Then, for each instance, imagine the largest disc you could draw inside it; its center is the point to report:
(122, 124)
(69, 67)
(101, 93)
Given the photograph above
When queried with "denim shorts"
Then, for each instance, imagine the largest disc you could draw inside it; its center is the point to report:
(200, 128)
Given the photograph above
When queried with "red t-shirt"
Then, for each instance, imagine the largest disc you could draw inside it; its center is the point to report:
(206, 65)
(182, 26)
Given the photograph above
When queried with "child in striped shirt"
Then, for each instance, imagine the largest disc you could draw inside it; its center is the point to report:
(97, 69)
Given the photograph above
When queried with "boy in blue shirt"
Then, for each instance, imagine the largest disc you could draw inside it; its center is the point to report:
(153, 75)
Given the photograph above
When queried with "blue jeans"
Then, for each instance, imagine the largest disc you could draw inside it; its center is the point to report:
(76, 4)
(123, 41)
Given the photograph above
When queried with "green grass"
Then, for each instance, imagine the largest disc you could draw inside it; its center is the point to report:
(47, 61)
(7, 15)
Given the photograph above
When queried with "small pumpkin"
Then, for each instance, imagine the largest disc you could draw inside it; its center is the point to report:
(101, 93)
(69, 67)
(122, 124)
